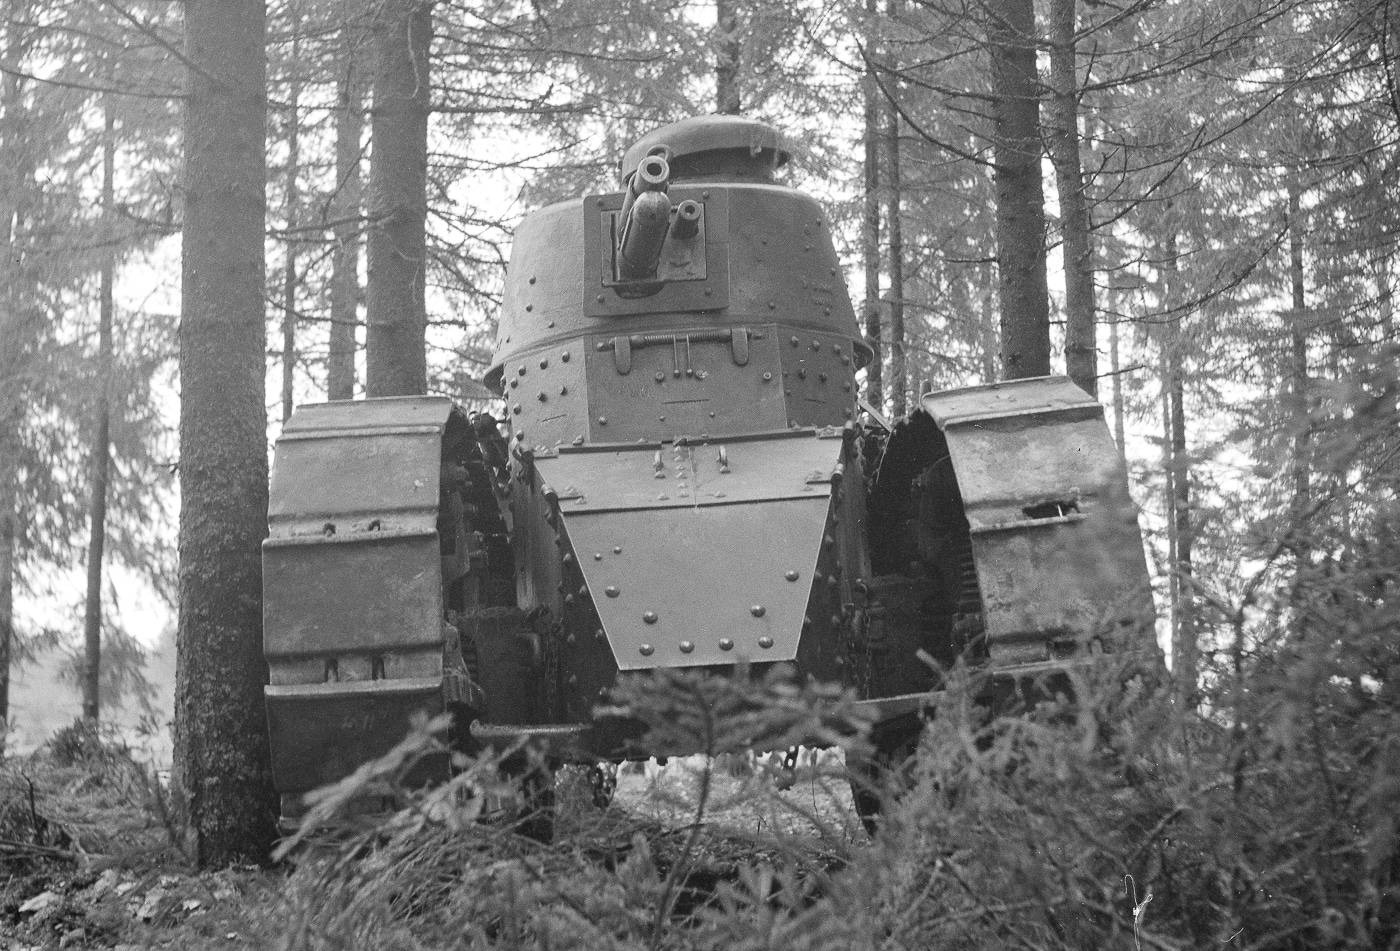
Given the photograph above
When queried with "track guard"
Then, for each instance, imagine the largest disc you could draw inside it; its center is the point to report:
(1054, 532)
(354, 573)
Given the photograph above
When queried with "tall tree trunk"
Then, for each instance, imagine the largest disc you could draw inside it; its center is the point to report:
(345, 266)
(289, 274)
(221, 750)
(1185, 662)
(19, 323)
(1298, 352)
(729, 46)
(1117, 368)
(1025, 302)
(1184, 650)
(101, 440)
(1081, 337)
(894, 198)
(870, 219)
(9, 476)
(396, 357)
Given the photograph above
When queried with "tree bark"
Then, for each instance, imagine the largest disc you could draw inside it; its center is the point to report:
(101, 440)
(870, 219)
(894, 198)
(729, 52)
(221, 749)
(396, 358)
(289, 274)
(345, 266)
(1025, 302)
(1081, 337)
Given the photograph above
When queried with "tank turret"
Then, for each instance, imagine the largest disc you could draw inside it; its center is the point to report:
(703, 298)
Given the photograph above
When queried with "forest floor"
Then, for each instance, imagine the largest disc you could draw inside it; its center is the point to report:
(89, 857)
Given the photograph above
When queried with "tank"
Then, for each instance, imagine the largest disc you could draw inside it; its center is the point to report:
(684, 477)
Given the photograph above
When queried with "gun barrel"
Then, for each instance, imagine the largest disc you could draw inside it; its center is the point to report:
(646, 218)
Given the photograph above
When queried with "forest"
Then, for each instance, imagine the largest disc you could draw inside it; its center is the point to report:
(216, 211)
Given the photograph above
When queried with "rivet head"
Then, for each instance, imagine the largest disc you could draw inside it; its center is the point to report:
(529, 307)
(687, 647)
(660, 375)
(602, 420)
(532, 280)
(611, 590)
(758, 610)
(600, 635)
(816, 344)
(794, 341)
(597, 556)
(544, 363)
(515, 409)
(599, 298)
(726, 644)
(649, 617)
(542, 397)
(617, 549)
(792, 576)
(521, 370)
(772, 305)
(765, 642)
(646, 650)
(564, 356)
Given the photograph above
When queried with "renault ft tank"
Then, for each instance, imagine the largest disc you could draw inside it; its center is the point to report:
(684, 477)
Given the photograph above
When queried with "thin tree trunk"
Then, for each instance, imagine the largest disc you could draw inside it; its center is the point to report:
(1385, 295)
(1298, 338)
(730, 49)
(9, 476)
(345, 266)
(1185, 647)
(289, 275)
(1185, 661)
(1081, 337)
(101, 440)
(899, 384)
(1025, 302)
(18, 325)
(396, 357)
(1119, 432)
(870, 219)
(221, 753)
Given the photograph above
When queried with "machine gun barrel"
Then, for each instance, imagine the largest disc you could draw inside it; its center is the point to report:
(646, 219)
